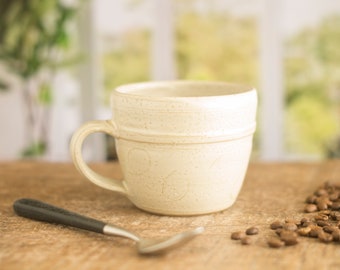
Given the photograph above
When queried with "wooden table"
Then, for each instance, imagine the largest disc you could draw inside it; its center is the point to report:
(270, 192)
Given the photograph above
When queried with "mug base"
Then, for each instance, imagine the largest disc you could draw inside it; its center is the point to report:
(172, 212)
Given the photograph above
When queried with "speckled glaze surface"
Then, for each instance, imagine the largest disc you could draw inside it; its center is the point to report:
(183, 146)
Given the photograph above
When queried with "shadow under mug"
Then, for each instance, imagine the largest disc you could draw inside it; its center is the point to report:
(183, 146)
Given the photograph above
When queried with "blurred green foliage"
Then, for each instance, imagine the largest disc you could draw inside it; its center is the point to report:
(45, 96)
(214, 45)
(32, 33)
(312, 76)
(35, 149)
(207, 47)
(217, 46)
(34, 38)
(127, 61)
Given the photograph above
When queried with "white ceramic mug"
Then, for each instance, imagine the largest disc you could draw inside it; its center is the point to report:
(183, 146)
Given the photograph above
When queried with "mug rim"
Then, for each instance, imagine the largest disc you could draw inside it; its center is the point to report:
(132, 89)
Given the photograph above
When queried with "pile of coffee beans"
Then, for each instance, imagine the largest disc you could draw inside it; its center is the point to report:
(324, 224)
(326, 197)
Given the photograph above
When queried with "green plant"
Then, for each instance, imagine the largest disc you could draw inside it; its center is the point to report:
(216, 46)
(312, 89)
(34, 38)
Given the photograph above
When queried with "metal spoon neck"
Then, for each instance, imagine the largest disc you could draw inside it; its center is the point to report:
(116, 231)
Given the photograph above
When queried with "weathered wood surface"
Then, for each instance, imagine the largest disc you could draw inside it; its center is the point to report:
(270, 192)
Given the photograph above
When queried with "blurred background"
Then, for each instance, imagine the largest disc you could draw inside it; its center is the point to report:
(59, 60)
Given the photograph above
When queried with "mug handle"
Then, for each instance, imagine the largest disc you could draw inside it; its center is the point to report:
(105, 126)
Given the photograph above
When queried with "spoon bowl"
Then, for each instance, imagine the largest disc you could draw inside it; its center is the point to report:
(146, 246)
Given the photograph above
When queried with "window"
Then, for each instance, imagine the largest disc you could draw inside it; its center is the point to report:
(312, 83)
(288, 54)
(287, 49)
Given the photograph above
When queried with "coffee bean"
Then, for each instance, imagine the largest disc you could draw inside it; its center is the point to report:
(291, 220)
(311, 199)
(304, 231)
(276, 225)
(314, 232)
(328, 201)
(333, 214)
(279, 231)
(335, 206)
(336, 216)
(325, 212)
(289, 238)
(336, 235)
(246, 240)
(290, 226)
(237, 235)
(322, 223)
(321, 217)
(304, 220)
(334, 196)
(310, 208)
(307, 224)
(320, 192)
(329, 228)
(285, 233)
(322, 205)
(325, 237)
(252, 231)
(290, 241)
(275, 242)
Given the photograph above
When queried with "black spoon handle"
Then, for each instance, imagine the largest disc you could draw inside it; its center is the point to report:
(37, 210)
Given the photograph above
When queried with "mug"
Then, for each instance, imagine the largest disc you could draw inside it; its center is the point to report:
(183, 146)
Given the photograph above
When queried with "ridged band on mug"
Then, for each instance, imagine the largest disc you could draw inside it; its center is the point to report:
(206, 137)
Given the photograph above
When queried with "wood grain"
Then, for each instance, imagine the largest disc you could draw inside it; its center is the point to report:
(271, 191)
